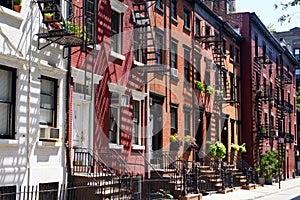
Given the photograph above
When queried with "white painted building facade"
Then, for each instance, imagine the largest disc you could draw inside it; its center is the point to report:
(32, 102)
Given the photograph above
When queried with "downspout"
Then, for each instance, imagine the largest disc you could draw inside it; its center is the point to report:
(28, 99)
(67, 143)
(193, 75)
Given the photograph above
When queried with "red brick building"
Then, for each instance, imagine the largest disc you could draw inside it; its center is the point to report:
(268, 81)
(195, 45)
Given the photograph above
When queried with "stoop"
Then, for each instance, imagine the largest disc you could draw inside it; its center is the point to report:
(191, 197)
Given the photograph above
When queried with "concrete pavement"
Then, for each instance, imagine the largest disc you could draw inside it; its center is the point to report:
(261, 191)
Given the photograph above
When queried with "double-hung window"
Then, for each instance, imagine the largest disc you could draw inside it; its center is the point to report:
(174, 118)
(297, 53)
(186, 65)
(114, 118)
(116, 29)
(198, 66)
(136, 123)
(159, 47)
(187, 122)
(198, 27)
(186, 17)
(174, 54)
(7, 102)
(137, 45)
(174, 9)
(48, 101)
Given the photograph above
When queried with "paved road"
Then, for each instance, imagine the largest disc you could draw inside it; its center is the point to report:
(290, 190)
(289, 194)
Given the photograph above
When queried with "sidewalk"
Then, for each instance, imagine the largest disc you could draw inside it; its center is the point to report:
(242, 194)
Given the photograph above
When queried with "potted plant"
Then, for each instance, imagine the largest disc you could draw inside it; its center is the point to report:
(17, 5)
(239, 148)
(175, 142)
(189, 143)
(209, 89)
(217, 149)
(268, 166)
(199, 86)
(48, 16)
(219, 94)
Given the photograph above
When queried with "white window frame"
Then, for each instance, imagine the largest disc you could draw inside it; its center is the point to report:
(119, 8)
(139, 97)
(9, 101)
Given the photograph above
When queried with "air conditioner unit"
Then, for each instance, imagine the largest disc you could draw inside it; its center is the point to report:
(49, 133)
(174, 72)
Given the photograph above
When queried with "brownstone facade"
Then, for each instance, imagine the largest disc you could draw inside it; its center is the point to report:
(196, 46)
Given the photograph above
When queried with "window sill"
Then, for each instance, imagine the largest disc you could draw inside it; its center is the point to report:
(159, 9)
(9, 143)
(137, 63)
(49, 143)
(174, 21)
(117, 55)
(8, 14)
(186, 28)
(115, 146)
(138, 147)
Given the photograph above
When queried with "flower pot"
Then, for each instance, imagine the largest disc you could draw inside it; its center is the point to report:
(261, 180)
(269, 181)
(17, 8)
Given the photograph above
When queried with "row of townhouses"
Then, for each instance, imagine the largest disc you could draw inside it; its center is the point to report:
(97, 88)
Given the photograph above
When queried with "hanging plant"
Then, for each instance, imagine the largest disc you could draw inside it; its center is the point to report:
(239, 148)
(217, 149)
(209, 89)
(199, 86)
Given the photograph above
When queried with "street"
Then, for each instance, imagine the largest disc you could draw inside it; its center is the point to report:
(290, 194)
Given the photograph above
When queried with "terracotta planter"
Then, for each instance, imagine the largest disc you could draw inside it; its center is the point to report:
(17, 8)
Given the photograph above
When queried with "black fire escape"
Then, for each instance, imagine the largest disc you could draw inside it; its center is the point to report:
(145, 39)
(77, 29)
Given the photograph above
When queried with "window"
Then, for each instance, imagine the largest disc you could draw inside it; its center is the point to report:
(265, 86)
(7, 102)
(116, 26)
(48, 191)
(8, 4)
(198, 66)
(187, 122)
(257, 78)
(174, 54)
(264, 49)
(48, 101)
(208, 126)
(266, 118)
(186, 65)
(136, 122)
(114, 118)
(231, 52)
(256, 46)
(8, 192)
(137, 45)
(217, 81)
(186, 18)
(159, 4)
(174, 117)
(237, 55)
(198, 27)
(224, 71)
(174, 9)
(238, 86)
(207, 71)
(159, 47)
(232, 86)
(232, 124)
(277, 68)
(224, 46)
(297, 54)
(271, 90)
(207, 35)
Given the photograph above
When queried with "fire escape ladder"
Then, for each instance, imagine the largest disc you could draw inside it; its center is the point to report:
(78, 30)
(145, 39)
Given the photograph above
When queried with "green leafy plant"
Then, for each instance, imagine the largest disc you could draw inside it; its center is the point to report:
(17, 2)
(49, 15)
(217, 149)
(268, 165)
(219, 93)
(199, 86)
(188, 142)
(209, 89)
(239, 148)
(263, 130)
(175, 142)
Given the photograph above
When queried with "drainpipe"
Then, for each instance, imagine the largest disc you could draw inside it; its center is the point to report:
(68, 81)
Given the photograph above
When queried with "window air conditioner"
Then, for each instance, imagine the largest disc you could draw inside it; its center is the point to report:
(49, 133)
(174, 72)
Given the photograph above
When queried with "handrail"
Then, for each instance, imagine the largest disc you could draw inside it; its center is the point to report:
(149, 164)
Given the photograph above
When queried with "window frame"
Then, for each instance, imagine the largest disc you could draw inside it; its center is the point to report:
(136, 120)
(197, 27)
(173, 10)
(186, 65)
(12, 103)
(187, 121)
(186, 18)
(159, 47)
(54, 99)
(173, 124)
(297, 56)
(118, 33)
(173, 54)
(198, 57)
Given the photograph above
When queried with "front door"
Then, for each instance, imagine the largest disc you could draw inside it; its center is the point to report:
(81, 124)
